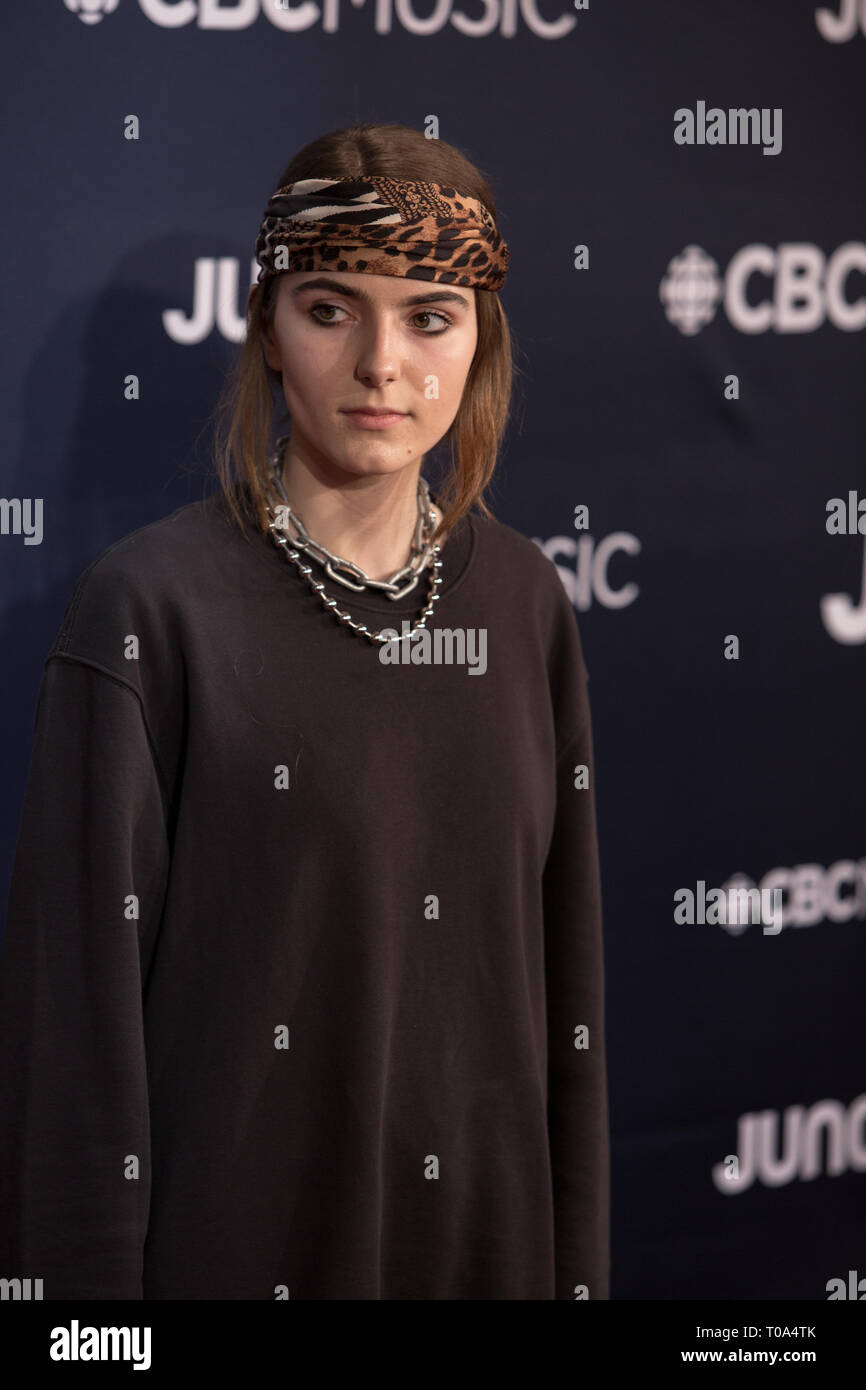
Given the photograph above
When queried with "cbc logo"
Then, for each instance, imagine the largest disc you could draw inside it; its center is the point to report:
(588, 578)
(811, 893)
(806, 288)
(295, 16)
(91, 11)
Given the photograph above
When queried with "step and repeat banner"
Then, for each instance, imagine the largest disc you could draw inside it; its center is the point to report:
(681, 187)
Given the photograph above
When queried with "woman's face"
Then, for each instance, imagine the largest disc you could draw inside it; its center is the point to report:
(343, 340)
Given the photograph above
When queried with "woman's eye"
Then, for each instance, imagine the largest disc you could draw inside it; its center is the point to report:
(434, 314)
(316, 307)
(329, 310)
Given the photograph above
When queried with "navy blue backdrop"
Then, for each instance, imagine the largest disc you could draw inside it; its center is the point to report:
(693, 377)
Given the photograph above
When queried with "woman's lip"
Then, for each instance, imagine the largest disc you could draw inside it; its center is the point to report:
(368, 421)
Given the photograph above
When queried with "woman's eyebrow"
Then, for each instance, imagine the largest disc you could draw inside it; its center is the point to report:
(335, 287)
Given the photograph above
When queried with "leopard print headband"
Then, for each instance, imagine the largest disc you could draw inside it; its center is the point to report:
(382, 226)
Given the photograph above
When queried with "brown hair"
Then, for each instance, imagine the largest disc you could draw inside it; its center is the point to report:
(243, 415)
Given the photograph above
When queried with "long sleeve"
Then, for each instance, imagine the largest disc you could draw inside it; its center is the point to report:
(87, 887)
(574, 964)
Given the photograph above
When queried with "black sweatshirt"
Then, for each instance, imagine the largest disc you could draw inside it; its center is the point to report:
(302, 986)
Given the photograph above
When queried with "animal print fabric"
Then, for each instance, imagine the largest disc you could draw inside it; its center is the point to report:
(382, 226)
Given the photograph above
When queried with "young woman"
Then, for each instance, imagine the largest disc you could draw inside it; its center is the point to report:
(302, 982)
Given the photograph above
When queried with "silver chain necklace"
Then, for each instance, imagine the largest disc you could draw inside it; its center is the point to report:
(350, 575)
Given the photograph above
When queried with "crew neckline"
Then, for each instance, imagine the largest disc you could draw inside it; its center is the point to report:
(456, 555)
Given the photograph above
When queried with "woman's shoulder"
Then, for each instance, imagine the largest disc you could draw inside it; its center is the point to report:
(528, 583)
(153, 551)
(141, 584)
(512, 556)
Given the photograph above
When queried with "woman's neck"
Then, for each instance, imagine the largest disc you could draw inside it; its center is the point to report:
(370, 521)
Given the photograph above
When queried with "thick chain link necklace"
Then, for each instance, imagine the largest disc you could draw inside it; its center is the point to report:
(423, 553)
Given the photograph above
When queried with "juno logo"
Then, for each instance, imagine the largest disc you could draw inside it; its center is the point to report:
(839, 26)
(844, 620)
(806, 1132)
(216, 303)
